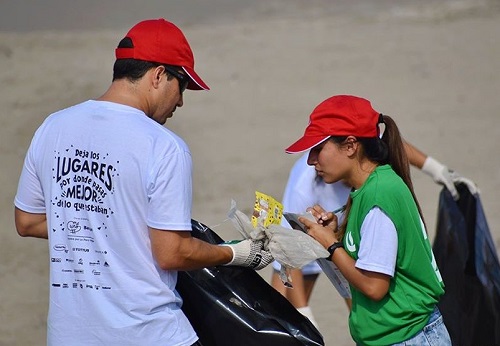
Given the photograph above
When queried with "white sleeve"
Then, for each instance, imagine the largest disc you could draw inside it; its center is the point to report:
(378, 247)
(299, 194)
(170, 193)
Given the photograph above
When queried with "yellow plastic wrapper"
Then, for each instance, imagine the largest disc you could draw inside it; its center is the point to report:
(267, 211)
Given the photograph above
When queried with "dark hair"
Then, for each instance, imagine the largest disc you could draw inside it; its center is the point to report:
(132, 69)
(386, 150)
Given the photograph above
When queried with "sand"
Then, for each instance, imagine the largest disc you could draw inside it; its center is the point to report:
(433, 66)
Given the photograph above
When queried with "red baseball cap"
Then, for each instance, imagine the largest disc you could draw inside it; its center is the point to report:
(340, 115)
(160, 41)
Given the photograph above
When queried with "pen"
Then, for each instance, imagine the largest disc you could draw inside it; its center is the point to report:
(338, 210)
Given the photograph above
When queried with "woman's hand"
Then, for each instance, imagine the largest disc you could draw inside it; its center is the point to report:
(325, 227)
(321, 215)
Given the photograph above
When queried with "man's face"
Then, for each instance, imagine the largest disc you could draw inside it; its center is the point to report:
(169, 94)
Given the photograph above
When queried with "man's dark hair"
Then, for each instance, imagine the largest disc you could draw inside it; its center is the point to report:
(131, 69)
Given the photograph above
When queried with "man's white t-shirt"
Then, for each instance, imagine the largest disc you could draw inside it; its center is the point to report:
(103, 172)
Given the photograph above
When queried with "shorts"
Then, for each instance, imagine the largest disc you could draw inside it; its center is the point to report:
(312, 268)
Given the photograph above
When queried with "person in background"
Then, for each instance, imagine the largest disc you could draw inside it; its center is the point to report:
(381, 247)
(111, 190)
(305, 188)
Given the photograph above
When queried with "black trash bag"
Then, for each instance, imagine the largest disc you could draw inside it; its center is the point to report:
(230, 306)
(467, 259)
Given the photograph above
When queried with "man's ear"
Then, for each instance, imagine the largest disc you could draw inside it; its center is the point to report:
(156, 75)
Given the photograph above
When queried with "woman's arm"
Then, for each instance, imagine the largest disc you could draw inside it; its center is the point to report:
(373, 285)
(415, 156)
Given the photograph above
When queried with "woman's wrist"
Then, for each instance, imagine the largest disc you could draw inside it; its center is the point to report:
(331, 249)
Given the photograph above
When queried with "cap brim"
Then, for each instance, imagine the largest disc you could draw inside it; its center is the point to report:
(305, 143)
(196, 82)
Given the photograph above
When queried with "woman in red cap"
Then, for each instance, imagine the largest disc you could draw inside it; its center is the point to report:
(381, 246)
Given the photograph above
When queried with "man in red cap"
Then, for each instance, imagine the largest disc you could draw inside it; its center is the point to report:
(111, 190)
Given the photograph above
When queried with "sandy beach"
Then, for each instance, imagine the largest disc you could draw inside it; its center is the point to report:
(433, 66)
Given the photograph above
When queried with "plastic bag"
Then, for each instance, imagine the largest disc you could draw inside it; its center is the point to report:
(230, 306)
(243, 225)
(291, 248)
(468, 262)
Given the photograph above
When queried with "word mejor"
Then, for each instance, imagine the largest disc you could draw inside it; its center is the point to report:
(68, 165)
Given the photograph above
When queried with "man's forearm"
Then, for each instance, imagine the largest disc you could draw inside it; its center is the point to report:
(31, 225)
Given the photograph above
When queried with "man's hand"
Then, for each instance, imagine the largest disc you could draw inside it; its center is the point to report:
(444, 176)
(249, 253)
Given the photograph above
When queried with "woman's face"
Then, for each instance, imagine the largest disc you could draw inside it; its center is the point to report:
(330, 160)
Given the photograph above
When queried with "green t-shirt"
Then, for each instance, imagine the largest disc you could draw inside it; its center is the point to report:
(417, 284)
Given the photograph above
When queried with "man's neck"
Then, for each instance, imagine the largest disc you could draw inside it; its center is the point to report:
(125, 93)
